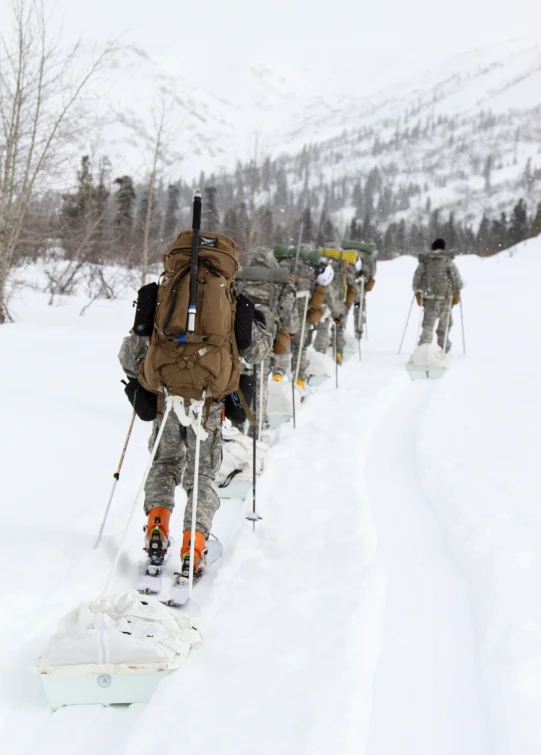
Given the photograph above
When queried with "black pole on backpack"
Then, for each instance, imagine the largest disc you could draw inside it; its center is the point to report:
(254, 516)
(196, 227)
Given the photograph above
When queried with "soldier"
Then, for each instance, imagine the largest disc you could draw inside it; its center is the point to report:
(437, 284)
(365, 267)
(175, 459)
(340, 296)
(313, 277)
(270, 288)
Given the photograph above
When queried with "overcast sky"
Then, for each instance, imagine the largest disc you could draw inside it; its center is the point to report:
(346, 43)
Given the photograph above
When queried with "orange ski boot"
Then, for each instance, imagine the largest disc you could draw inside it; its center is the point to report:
(200, 553)
(157, 535)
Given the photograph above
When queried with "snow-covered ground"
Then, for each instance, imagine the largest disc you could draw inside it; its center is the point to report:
(388, 602)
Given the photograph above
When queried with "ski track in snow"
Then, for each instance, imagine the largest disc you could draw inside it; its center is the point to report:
(428, 697)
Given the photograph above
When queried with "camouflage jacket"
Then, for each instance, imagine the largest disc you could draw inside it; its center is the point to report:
(344, 278)
(437, 277)
(277, 301)
(369, 264)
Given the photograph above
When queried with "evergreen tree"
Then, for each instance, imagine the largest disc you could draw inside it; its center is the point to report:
(536, 224)
(307, 226)
(265, 226)
(519, 227)
(401, 244)
(170, 224)
(482, 242)
(124, 201)
(211, 218)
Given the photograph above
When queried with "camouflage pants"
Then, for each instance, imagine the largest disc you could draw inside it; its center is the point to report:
(359, 321)
(325, 335)
(340, 332)
(288, 361)
(175, 462)
(436, 309)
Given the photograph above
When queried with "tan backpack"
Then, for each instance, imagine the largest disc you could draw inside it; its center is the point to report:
(186, 364)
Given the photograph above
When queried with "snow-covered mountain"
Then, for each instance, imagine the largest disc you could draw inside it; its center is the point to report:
(464, 135)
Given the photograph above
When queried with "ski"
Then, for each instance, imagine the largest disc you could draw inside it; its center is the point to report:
(178, 594)
(150, 580)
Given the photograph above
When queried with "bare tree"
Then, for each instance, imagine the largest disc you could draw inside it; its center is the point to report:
(157, 141)
(41, 116)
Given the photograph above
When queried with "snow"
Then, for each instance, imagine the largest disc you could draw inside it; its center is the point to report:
(388, 601)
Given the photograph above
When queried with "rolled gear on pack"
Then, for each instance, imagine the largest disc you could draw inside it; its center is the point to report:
(307, 253)
(205, 361)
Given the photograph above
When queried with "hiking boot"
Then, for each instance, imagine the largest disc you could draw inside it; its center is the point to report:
(157, 535)
(200, 553)
(300, 384)
(277, 377)
(339, 357)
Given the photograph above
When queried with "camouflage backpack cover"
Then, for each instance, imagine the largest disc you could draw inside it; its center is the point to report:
(188, 364)
(436, 277)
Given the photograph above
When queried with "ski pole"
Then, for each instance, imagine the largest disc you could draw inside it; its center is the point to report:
(360, 321)
(261, 400)
(295, 375)
(254, 516)
(116, 476)
(462, 320)
(447, 325)
(196, 227)
(169, 405)
(195, 491)
(335, 348)
(407, 323)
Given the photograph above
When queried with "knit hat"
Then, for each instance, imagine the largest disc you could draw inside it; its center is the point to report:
(438, 244)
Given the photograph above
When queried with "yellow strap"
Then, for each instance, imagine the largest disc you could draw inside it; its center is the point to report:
(348, 256)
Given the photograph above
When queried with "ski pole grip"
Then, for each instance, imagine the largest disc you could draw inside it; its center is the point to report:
(196, 220)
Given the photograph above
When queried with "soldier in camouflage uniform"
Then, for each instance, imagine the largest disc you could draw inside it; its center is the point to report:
(367, 265)
(305, 280)
(277, 302)
(175, 458)
(340, 296)
(437, 284)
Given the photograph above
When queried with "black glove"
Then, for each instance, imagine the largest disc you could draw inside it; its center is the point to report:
(234, 410)
(144, 403)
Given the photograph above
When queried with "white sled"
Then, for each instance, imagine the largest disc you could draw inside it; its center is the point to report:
(234, 480)
(106, 684)
(428, 362)
(279, 403)
(320, 368)
(114, 650)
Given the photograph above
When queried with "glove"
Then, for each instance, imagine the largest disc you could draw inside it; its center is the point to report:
(350, 296)
(144, 403)
(338, 320)
(281, 342)
(456, 297)
(369, 285)
(314, 315)
(419, 297)
(325, 278)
